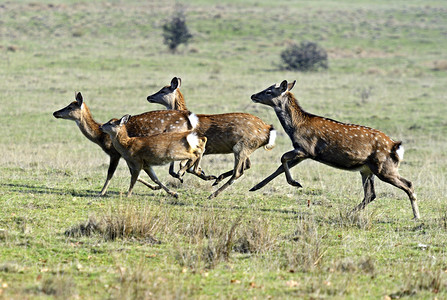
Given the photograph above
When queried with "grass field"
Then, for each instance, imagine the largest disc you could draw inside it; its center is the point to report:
(58, 239)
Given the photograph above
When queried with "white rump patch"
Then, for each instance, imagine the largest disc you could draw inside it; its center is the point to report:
(400, 152)
(193, 140)
(194, 120)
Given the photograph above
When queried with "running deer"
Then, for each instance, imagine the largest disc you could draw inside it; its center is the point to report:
(237, 133)
(140, 125)
(344, 146)
(158, 149)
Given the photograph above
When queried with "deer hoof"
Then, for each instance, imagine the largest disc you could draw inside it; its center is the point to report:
(295, 183)
(207, 177)
(218, 180)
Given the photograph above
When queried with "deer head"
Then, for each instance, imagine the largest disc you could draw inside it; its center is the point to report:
(167, 95)
(273, 95)
(73, 111)
(114, 126)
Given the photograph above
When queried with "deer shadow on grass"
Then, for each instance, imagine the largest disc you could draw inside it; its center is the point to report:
(42, 189)
(179, 202)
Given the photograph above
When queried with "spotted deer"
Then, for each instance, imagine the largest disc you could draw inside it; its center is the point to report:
(139, 125)
(158, 149)
(344, 146)
(237, 133)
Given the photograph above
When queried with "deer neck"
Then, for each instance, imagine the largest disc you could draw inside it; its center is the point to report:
(88, 126)
(121, 140)
(179, 103)
(290, 114)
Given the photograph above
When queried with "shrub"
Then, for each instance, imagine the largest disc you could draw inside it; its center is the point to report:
(175, 31)
(307, 56)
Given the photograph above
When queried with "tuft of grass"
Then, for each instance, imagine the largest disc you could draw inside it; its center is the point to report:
(255, 236)
(363, 219)
(211, 240)
(124, 222)
(307, 249)
(418, 280)
(349, 265)
(59, 286)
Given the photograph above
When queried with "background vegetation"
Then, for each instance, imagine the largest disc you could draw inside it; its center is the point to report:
(387, 69)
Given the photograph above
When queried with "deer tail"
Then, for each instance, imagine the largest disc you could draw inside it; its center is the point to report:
(193, 120)
(193, 140)
(272, 137)
(397, 152)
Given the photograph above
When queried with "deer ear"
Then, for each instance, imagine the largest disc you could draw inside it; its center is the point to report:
(79, 99)
(291, 85)
(283, 86)
(124, 120)
(175, 83)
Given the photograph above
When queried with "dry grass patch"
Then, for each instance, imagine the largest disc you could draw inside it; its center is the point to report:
(349, 265)
(211, 239)
(363, 219)
(422, 279)
(59, 286)
(256, 236)
(307, 249)
(141, 283)
(124, 222)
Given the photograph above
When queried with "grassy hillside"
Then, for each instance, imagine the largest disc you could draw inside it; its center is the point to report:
(58, 239)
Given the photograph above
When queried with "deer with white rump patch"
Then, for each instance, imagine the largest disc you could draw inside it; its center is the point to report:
(159, 149)
(139, 125)
(237, 133)
(344, 146)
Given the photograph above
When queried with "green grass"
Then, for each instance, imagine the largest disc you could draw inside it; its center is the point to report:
(278, 242)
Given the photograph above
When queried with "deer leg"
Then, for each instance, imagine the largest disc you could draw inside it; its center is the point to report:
(187, 165)
(275, 174)
(201, 174)
(197, 170)
(154, 177)
(368, 190)
(405, 185)
(223, 176)
(237, 172)
(247, 165)
(152, 187)
(288, 156)
(134, 172)
(114, 160)
(173, 173)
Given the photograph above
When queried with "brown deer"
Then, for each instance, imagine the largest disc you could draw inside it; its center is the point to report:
(140, 125)
(158, 149)
(237, 133)
(344, 146)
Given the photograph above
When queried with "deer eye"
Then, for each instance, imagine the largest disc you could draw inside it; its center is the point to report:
(269, 92)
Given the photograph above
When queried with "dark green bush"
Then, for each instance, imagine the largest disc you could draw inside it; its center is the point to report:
(175, 31)
(307, 56)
